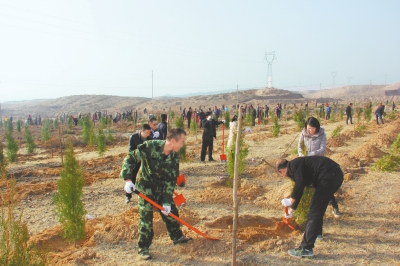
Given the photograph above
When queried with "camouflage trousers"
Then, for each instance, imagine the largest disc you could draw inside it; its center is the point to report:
(146, 232)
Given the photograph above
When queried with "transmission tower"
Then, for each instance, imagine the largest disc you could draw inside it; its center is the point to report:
(270, 57)
(333, 80)
(349, 80)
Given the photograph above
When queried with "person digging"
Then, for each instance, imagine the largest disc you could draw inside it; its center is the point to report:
(156, 179)
(326, 176)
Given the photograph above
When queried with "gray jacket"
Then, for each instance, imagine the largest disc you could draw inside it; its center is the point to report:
(316, 144)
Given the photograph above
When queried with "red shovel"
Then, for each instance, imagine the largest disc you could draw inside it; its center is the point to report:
(174, 216)
(223, 155)
(179, 199)
(287, 221)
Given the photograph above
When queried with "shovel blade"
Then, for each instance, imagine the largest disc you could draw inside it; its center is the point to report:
(179, 200)
(223, 157)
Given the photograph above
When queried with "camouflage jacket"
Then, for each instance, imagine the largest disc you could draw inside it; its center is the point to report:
(157, 173)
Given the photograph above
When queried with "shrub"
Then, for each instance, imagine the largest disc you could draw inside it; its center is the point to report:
(227, 118)
(299, 118)
(388, 163)
(361, 128)
(391, 115)
(276, 128)
(88, 135)
(19, 125)
(68, 199)
(109, 135)
(12, 147)
(182, 153)
(243, 152)
(14, 235)
(69, 123)
(179, 122)
(30, 144)
(8, 126)
(55, 123)
(333, 115)
(358, 114)
(3, 161)
(193, 125)
(336, 131)
(368, 113)
(304, 206)
(395, 147)
(248, 120)
(171, 114)
(341, 114)
(45, 130)
(101, 142)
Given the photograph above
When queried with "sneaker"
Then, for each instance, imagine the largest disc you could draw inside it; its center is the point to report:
(210, 160)
(127, 200)
(319, 237)
(336, 212)
(301, 253)
(182, 240)
(144, 255)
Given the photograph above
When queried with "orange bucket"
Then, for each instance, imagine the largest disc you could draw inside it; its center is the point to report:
(179, 199)
(181, 180)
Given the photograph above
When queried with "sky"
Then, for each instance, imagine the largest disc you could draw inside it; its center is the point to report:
(53, 48)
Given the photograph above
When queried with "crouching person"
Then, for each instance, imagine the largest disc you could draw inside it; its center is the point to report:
(326, 176)
(156, 179)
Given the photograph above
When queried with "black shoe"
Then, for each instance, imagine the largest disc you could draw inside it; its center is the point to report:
(182, 240)
(210, 160)
(301, 252)
(127, 200)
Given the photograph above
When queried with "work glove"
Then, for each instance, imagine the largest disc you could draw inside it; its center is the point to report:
(129, 187)
(286, 202)
(223, 121)
(311, 153)
(156, 134)
(209, 118)
(167, 210)
(290, 214)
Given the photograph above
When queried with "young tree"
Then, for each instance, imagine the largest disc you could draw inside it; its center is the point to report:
(101, 142)
(30, 144)
(45, 130)
(182, 153)
(276, 128)
(243, 152)
(68, 200)
(179, 122)
(3, 161)
(88, 131)
(109, 135)
(12, 147)
(193, 125)
(19, 125)
(227, 118)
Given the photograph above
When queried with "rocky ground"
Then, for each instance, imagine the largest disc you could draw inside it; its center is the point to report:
(366, 234)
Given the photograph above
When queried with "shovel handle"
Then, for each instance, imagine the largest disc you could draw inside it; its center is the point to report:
(158, 206)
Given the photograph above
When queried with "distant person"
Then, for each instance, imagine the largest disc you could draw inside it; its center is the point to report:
(209, 133)
(393, 106)
(153, 125)
(163, 127)
(253, 115)
(266, 110)
(202, 116)
(189, 116)
(379, 113)
(348, 114)
(327, 111)
(278, 111)
(135, 140)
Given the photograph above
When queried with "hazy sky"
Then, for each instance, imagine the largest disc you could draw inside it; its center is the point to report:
(50, 49)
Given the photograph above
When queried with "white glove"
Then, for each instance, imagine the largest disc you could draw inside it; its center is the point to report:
(311, 153)
(209, 118)
(167, 210)
(156, 134)
(290, 214)
(129, 187)
(223, 121)
(286, 202)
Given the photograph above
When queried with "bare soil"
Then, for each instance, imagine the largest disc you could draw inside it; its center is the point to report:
(366, 234)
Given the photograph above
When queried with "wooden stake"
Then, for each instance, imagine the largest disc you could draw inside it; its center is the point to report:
(59, 136)
(235, 188)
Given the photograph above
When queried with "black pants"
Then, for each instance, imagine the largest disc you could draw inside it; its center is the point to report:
(324, 191)
(208, 143)
(347, 120)
(189, 118)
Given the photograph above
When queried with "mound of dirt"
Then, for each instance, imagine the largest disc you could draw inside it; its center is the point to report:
(337, 141)
(253, 228)
(345, 161)
(351, 134)
(367, 151)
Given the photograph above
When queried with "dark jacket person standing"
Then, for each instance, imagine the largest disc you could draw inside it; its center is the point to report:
(163, 127)
(189, 116)
(326, 176)
(209, 133)
(348, 114)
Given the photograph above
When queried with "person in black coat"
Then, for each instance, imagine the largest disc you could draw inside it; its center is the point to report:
(326, 177)
(348, 114)
(209, 133)
(163, 127)
(202, 116)
(189, 116)
(134, 140)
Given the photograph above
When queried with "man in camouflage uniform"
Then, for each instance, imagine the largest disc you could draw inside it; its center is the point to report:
(156, 179)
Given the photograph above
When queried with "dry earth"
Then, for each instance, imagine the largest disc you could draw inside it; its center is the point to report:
(366, 234)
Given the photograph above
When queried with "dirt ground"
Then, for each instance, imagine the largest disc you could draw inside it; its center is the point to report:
(368, 233)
